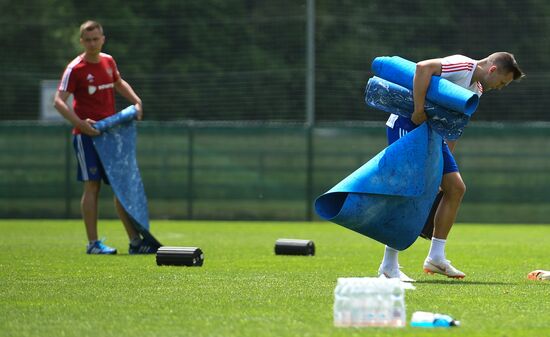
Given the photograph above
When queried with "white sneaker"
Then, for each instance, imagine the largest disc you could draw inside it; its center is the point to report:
(442, 267)
(539, 275)
(394, 273)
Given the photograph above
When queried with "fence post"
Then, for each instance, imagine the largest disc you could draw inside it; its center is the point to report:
(68, 189)
(309, 173)
(310, 102)
(190, 189)
(310, 62)
(261, 175)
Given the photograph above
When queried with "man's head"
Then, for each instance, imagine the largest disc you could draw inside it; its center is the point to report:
(501, 69)
(91, 37)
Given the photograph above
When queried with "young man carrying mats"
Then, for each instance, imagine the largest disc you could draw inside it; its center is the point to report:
(493, 72)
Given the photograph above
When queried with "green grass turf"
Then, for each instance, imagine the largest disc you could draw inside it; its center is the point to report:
(49, 287)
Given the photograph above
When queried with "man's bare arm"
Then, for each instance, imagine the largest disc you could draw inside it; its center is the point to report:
(422, 77)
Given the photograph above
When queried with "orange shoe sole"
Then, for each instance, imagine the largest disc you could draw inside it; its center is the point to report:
(534, 275)
(427, 271)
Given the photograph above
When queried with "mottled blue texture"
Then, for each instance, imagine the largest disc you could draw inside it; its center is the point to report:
(122, 116)
(116, 147)
(389, 198)
(393, 98)
(441, 91)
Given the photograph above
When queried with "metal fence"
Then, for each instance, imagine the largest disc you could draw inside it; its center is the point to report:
(266, 172)
(259, 60)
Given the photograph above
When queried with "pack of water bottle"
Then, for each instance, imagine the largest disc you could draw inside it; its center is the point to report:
(370, 302)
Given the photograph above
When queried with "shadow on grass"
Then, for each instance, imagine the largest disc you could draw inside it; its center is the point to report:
(461, 282)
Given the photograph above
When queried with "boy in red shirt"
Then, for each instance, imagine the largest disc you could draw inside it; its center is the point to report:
(92, 78)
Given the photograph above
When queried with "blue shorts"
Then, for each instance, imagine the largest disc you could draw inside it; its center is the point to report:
(89, 164)
(404, 125)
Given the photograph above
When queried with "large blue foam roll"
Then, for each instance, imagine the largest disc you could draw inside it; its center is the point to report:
(441, 91)
(116, 147)
(389, 198)
(393, 98)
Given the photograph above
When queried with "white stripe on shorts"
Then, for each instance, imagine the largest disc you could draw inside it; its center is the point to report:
(81, 158)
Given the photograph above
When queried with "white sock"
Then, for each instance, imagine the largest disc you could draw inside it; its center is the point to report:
(437, 249)
(390, 260)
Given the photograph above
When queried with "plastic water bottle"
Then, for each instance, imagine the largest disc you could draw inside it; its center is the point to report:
(432, 320)
(370, 302)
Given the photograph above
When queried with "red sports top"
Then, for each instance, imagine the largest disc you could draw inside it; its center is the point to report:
(92, 87)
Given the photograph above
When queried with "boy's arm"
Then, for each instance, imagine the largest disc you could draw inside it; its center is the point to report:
(124, 88)
(60, 103)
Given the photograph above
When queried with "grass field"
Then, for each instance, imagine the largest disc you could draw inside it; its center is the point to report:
(49, 287)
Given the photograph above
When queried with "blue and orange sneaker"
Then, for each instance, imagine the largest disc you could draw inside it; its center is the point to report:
(98, 247)
(143, 248)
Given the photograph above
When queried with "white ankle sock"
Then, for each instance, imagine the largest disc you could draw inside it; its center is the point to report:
(437, 249)
(390, 260)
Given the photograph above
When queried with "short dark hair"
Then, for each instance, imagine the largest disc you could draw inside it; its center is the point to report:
(90, 25)
(506, 62)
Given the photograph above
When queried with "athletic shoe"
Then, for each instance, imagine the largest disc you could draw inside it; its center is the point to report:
(539, 275)
(394, 273)
(442, 267)
(98, 247)
(143, 248)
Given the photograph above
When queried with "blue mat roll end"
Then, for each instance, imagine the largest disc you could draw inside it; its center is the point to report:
(120, 117)
(328, 206)
(440, 91)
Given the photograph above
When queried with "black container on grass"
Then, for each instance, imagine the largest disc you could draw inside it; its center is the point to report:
(180, 256)
(294, 247)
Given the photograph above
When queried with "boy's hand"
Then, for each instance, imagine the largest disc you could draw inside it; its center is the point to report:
(139, 109)
(86, 127)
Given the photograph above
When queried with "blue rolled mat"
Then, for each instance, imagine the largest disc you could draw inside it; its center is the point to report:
(441, 91)
(393, 98)
(116, 146)
(389, 198)
(123, 116)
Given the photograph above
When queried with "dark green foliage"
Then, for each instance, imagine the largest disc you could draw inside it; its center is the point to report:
(245, 60)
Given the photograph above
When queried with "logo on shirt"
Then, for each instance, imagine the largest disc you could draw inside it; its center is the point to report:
(92, 88)
(110, 72)
(90, 78)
